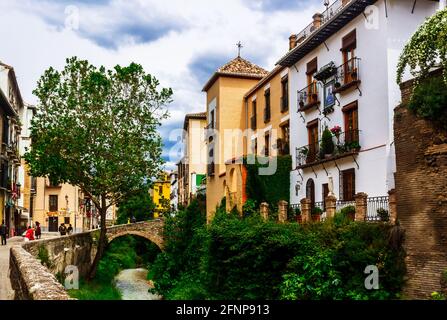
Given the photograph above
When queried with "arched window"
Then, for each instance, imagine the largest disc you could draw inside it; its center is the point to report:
(310, 191)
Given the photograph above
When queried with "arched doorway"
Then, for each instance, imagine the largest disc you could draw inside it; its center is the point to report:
(310, 191)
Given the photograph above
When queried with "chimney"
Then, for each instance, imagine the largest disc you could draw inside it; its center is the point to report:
(317, 20)
(292, 41)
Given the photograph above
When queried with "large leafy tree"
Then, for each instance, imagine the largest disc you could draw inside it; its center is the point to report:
(139, 206)
(97, 129)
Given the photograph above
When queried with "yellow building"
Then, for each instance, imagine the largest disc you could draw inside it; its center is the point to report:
(225, 103)
(161, 194)
(56, 204)
(268, 115)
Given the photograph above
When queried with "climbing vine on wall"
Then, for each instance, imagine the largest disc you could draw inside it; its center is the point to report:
(269, 188)
(426, 49)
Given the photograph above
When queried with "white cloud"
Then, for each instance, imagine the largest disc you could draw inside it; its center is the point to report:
(34, 37)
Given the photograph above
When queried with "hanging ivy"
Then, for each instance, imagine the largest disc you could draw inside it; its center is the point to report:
(426, 49)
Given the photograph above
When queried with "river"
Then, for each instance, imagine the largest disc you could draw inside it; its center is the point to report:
(133, 285)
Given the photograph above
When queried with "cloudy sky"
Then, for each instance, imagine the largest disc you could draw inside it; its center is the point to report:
(179, 42)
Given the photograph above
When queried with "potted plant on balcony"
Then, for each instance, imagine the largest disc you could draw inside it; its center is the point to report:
(353, 146)
(316, 214)
(383, 214)
(327, 145)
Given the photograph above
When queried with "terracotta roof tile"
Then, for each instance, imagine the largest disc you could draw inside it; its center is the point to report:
(242, 66)
(238, 67)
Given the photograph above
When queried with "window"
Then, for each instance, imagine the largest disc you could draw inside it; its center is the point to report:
(351, 122)
(347, 185)
(53, 199)
(312, 93)
(254, 146)
(284, 147)
(349, 44)
(310, 191)
(285, 94)
(267, 145)
(312, 132)
(253, 114)
(212, 119)
(267, 106)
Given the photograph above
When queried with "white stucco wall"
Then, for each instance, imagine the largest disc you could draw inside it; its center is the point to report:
(379, 44)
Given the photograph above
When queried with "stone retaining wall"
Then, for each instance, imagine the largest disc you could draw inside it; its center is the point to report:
(421, 190)
(30, 280)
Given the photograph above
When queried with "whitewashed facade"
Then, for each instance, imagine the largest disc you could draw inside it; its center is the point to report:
(379, 39)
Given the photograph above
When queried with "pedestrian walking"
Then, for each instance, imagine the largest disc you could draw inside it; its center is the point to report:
(3, 232)
(29, 234)
(62, 229)
(70, 229)
(38, 231)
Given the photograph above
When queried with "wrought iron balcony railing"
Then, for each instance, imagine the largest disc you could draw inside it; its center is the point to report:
(326, 16)
(348, 75)
(308, 96)
(344, 143)
(284, 103)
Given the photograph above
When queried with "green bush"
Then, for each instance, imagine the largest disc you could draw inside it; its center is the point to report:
(327, 144)
(429, 101)
(383, 214)
(250, 208)
(247, 258)
(44, 257)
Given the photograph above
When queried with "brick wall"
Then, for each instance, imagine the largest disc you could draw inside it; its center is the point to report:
(421, 191)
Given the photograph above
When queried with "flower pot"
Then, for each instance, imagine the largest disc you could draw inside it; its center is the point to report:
(316, 217)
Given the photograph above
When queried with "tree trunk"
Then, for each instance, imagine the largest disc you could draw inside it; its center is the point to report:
(102, 241)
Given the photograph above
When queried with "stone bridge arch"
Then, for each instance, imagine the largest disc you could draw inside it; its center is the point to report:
(151, 230)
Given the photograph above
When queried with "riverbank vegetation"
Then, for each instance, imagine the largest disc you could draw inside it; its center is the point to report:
(247, 258)
(127, 252)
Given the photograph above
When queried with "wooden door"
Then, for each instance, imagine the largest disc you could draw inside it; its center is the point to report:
(310, 191)
(348, 177)
(312, 131)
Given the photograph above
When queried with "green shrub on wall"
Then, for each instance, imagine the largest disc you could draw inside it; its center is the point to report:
(269, 188)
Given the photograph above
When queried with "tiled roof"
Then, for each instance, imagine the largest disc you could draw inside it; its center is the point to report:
(198, 115)
(243, 67)
(238, 67)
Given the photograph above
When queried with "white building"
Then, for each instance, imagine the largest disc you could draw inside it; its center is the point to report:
(28, 183)
(363, 40)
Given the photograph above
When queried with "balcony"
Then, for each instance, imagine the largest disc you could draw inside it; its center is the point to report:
(308, 97)
(285, 103)
(347, 75)
(345, 144)
(335, 17)
(253, 123)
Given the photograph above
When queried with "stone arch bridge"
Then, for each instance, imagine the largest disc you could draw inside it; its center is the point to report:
(28, 271)
(151, 230)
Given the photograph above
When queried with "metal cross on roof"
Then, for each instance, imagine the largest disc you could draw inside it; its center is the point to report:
(239, 47)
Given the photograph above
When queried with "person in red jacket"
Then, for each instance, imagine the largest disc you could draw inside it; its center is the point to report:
(30, 233)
